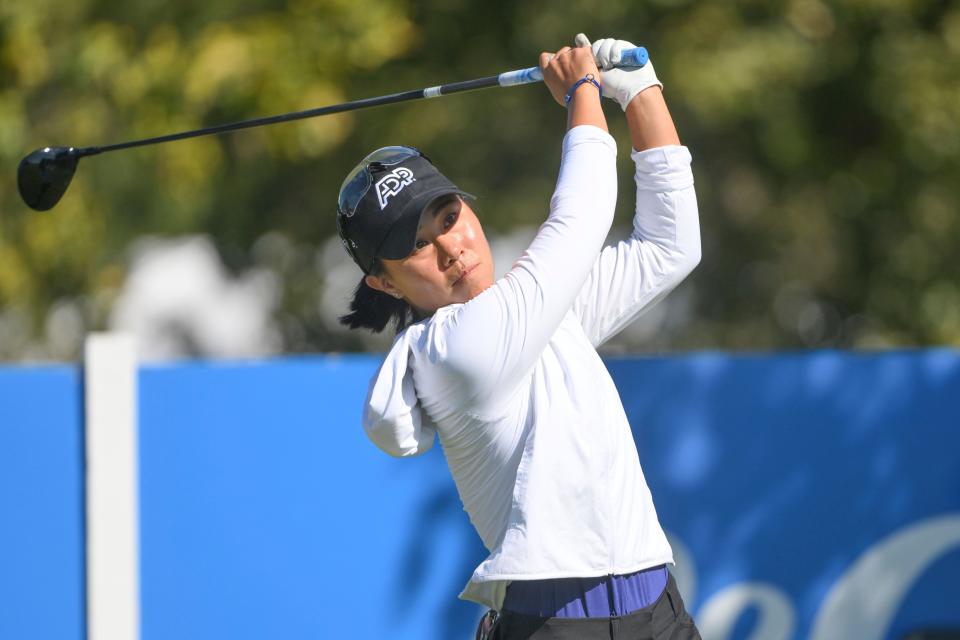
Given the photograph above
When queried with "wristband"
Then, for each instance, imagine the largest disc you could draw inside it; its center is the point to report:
(587, 78)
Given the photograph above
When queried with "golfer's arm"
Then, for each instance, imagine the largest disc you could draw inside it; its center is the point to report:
(584, 108)
(665, 244)
(649, 121)
(495, 338)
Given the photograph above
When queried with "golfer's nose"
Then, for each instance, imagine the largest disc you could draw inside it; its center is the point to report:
(449, 248)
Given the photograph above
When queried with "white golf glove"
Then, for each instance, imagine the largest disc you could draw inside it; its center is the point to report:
(620, 84)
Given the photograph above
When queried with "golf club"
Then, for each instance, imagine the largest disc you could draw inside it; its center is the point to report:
(44, 175)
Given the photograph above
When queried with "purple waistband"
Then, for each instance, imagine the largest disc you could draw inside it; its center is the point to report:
(600, 597)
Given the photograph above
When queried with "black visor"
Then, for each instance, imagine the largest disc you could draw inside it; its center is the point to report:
(381, 200)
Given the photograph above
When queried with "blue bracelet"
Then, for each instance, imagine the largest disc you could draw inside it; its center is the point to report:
(587, 78)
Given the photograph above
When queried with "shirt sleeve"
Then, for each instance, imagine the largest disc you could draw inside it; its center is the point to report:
(393, 418)
(662, 250)
(490, 343)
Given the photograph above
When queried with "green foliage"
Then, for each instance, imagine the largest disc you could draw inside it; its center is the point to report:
(825, 135)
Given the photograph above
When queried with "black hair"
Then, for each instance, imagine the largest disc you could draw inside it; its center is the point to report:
(373, 309)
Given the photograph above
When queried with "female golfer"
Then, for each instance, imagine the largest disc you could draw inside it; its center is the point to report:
(506, 371)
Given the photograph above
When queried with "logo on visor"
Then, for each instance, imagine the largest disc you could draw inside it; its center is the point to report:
(392, 184)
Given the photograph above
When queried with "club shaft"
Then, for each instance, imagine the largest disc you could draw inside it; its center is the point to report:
(632, 57)
(416, 94)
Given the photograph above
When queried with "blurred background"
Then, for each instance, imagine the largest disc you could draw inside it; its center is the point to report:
(825, 137)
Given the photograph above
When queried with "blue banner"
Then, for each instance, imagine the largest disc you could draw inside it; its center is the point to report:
(41, 503)
(811, 495)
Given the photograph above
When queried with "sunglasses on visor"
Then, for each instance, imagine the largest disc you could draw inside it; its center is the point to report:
(360, 178)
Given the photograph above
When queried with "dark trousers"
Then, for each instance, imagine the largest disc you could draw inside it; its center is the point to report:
(665, 619)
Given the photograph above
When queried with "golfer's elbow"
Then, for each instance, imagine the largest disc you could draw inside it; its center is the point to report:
(690, 255)
(683, 256)
(687, 247)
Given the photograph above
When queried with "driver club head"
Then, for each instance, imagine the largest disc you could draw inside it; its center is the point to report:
(44, 175)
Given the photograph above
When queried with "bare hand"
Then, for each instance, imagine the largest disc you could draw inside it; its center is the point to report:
(562, 69)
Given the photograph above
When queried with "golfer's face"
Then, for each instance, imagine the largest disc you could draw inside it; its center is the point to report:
(451, 261)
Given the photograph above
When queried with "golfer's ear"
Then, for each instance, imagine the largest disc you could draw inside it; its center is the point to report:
(383, 284)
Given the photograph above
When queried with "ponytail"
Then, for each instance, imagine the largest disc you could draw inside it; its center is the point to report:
(373, 309)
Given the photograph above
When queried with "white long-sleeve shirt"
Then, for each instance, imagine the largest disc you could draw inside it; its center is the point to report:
(531, 424)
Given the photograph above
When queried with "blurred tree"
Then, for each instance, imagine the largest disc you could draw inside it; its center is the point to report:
(825, 135)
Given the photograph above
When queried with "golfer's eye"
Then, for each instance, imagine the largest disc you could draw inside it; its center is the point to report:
(451, 219)
(420, 245)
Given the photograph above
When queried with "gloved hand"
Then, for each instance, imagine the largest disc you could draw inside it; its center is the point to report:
(620, 84)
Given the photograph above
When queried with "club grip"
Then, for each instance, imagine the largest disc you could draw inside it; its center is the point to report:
(636, 57)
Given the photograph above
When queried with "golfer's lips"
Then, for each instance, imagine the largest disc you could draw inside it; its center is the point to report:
(464, 274)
